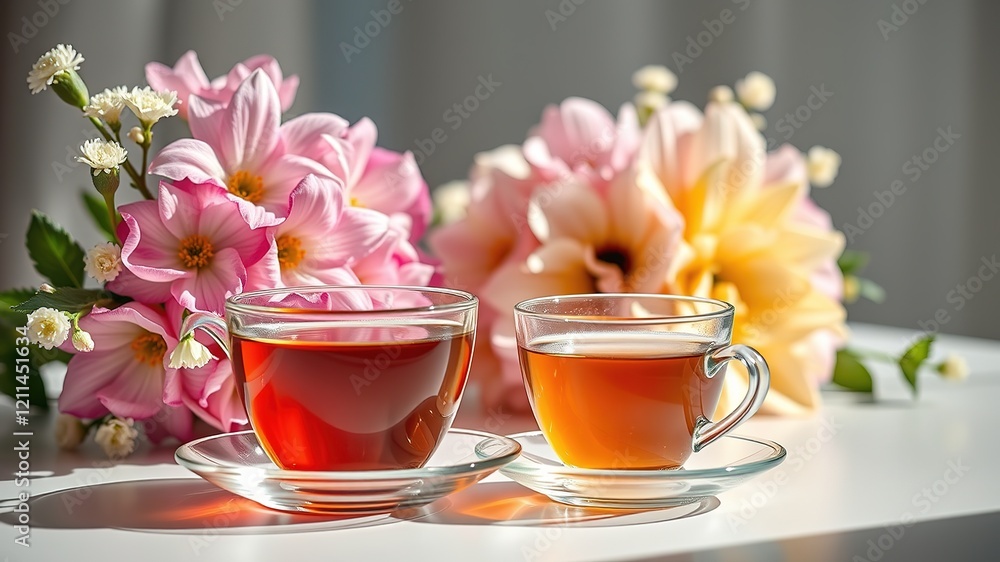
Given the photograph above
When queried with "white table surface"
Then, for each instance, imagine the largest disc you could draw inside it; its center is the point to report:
(882, 462)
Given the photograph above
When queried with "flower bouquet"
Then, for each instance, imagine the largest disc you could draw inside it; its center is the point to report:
(663, 198)
(246, 202)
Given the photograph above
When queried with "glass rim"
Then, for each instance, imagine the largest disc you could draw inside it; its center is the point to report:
(467, 300)
(725, 309)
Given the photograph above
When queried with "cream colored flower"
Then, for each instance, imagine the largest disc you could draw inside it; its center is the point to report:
(117, 437)
(954, 367)
(190, 354)
(721, 94)
(759, 121)
(745, 242)
(655, 78)
(135, 135)
(83, 341)
(649, 102)
(107, 105)
(44, 71)
(104, 262)
(150, 106)
(756, 91)
(48, 327)
(102, 155)
(70, 432)
(451, 201)
(822, 165)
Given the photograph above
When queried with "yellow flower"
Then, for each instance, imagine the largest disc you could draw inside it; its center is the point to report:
(754, 239)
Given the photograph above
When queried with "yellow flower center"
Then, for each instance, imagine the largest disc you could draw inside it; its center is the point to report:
(354, 202)
(290, 251)
(196, 251)
(246, 185)
(149, 348)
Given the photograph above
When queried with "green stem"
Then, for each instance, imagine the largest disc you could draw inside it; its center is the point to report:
(876, 355)
(109, 202)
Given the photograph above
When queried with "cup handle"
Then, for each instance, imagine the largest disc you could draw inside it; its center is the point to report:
(707, 431)
(211, 324)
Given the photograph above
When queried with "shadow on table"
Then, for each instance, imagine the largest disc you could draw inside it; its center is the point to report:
(189, 506)
(508, 503)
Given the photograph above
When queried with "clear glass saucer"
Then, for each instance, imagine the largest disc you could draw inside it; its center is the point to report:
(237, 463)
(727, 463)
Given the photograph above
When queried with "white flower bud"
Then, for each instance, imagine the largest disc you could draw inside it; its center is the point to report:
(759, 121)
(756, 91)
(117, 437)
(822, 165)
(135, 135)
(954, 367)
(451, 201)
(70, 432)
(190, 354)
(721, 94)
(82, 341)
(46, 288)
(655, 78)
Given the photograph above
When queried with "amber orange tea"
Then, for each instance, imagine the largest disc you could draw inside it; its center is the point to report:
(620, 400)
(359, 405)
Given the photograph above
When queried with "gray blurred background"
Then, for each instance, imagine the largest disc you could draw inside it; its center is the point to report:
(899, 71)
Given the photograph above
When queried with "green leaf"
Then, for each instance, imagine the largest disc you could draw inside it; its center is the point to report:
(852, 261)
(850, 373)
(8, 300)
(56, 255)
(914, 357)
(99, 212)
(8, 370)
(870, 290)
(67, 299)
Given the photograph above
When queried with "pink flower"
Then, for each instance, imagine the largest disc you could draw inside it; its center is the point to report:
(127, 372)
(579, 136)
(377, 178)
(395, 261)
(243, 148)
(187, 78)
(210, 392)
(320, 239)
(170, 422)
(192, 241)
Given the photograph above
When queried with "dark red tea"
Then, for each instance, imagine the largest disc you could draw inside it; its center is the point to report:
(319, 405)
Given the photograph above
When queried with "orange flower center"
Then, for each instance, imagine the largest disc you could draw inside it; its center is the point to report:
(149, 348)
(290, 251)
(246, 185)
(196, 251)
(615, 256)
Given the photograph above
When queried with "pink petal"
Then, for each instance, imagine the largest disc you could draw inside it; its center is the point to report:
(169, 422)
(362, 137)
(570, 209)
(149, 292)
(311, 276)
(205, 118)
(556, 268)
(150, 249)
(250, 124)
(358, 233)
(86, 374)
(137, 391)
(282, 174)
(208, 289)
(188, 159)
(315, 207)
(266, 272)
(286, 93)
(303, 135)
(223, 225)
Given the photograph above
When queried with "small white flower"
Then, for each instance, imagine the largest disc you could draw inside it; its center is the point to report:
(954, 367)
(655, 78)
(82, 341)
(107, 105)
(822, 165)
(46, 288)
(190, 354)
(149, 105)
(451, 201)
(48, 327)
(650, 101)
(59, 59)
(117, 437)
(102, 155)
(756, 91)
(70, 432)
(721, 94)
(104, 262)
(759, 121)
(135, 135)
